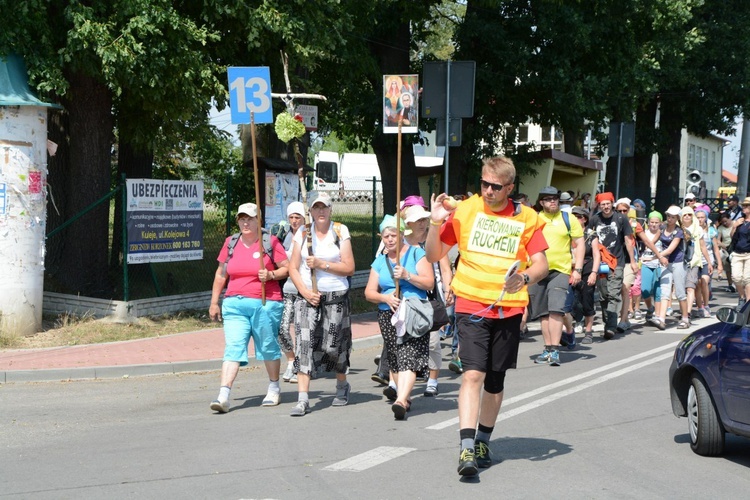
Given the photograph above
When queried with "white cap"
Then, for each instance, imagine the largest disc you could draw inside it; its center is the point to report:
(623, 201)
(415, 213)
(318, 197)
(295, 207)
(690, 196)
(673, 210)
(250, 209)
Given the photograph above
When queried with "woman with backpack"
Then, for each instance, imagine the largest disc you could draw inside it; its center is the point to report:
(585, 307)
(295, 213)
(674, 272)
(321, 264)
(243, 312)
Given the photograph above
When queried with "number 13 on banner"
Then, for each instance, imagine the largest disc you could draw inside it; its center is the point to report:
(250, 91)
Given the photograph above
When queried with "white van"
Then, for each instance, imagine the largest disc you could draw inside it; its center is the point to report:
(348, 175)
(351, 174)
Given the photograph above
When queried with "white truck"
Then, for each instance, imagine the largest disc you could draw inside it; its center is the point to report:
(346, 173)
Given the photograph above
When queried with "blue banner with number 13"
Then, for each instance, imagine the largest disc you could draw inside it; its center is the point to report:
(250, 90)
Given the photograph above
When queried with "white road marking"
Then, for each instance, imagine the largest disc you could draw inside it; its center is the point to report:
(572, 390)
(566, 382)
(369, 459)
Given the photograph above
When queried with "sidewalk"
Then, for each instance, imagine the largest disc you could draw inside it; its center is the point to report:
(183, 352)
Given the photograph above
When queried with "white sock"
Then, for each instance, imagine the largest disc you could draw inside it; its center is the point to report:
(274, 386)
(432, 382)
(392, 384)
(303, 396)
(224, 393)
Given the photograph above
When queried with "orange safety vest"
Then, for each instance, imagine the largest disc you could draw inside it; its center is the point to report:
(489, 244)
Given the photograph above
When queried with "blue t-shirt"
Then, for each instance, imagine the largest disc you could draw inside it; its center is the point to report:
(678, 255)
(385, 282)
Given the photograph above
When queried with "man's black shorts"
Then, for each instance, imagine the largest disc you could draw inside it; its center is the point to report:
(488, 344)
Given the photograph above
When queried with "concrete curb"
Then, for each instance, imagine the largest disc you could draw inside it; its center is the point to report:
(125, 371)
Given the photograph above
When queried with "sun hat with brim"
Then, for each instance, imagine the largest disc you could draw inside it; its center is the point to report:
(250, 209)
(746, 201)
(549, 191)
(580, 211)
(319, 197)
(565, 197)
(415, 213)
(673, 210)
(389, 221)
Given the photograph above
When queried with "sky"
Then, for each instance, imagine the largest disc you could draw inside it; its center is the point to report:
(732, 151)
(223, 121)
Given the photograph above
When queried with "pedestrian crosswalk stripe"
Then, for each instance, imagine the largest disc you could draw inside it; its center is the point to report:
(369, 459)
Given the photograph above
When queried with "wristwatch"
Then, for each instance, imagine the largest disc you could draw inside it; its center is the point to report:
(579, 270)
(526, 278)
(327, 266)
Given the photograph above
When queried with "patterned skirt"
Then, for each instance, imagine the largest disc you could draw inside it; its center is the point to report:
(323, 334)
(412, 354)
(285, 336)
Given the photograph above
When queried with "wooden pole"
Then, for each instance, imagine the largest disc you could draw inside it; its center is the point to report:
(261, 264)
(308, 219)
(398, 203)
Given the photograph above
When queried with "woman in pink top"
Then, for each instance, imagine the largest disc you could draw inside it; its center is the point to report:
(242, 311)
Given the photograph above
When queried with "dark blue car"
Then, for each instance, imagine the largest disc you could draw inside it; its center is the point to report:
(710, 381)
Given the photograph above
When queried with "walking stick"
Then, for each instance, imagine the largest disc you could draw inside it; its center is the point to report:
(257, 200)
(398, 202)
(308, 221)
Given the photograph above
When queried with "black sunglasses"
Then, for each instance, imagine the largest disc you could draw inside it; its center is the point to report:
(549, 198)
(486, 184)
(624, 211)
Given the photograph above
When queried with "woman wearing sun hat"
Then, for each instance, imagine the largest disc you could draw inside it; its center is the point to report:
(415, 276)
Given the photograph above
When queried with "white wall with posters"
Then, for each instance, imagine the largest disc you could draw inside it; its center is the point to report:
(282, 188)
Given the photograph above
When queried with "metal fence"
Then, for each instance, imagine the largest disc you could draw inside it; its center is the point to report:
(360, 211)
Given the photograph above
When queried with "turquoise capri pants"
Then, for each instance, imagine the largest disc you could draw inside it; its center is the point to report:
(244, 318)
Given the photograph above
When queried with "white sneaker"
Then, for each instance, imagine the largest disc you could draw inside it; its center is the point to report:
(288, 373)
(219, 406)
(271, 399)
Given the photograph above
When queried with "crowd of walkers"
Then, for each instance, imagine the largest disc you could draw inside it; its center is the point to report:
(490, 265)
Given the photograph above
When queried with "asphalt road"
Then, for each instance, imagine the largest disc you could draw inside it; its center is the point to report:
(599, 426)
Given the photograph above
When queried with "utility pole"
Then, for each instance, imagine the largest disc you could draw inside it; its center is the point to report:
(744, 164)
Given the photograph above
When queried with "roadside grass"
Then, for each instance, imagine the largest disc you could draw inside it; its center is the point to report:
(69, 330)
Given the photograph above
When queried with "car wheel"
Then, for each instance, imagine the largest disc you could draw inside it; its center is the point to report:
(706, 432)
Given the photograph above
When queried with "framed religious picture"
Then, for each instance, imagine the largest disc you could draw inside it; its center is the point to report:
(400, 103)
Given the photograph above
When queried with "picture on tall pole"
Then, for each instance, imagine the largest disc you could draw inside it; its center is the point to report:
(400, 103)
